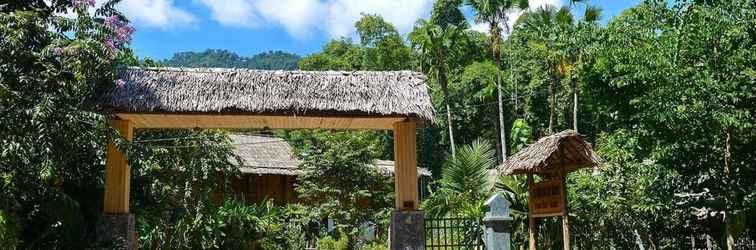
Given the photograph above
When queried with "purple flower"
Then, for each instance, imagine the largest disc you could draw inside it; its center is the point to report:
(123, 34)
(120, 83)
(58, 51)
(109, 43)
(89, 3)
(112, 49)
(112, 21)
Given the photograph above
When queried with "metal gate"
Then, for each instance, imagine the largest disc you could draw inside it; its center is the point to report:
(453, 233)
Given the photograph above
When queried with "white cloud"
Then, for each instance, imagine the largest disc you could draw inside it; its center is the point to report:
(401, 13)
(237, 13)
(513, 15)
(298, 17)
(155, 13)
(302, 18)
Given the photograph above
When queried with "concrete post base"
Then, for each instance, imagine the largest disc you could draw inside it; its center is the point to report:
(407, 230)
(117, 231)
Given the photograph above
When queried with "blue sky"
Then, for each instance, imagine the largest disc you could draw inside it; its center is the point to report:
(248, 27)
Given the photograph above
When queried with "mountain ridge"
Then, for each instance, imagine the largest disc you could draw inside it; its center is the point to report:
(221, 58)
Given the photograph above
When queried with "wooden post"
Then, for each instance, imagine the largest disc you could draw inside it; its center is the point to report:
(405, 158)
(565, 215)
(532, 226)
(118, 172)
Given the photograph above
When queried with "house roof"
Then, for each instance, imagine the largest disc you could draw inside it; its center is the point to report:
(268, 92)
(274, 156)
(549, 154)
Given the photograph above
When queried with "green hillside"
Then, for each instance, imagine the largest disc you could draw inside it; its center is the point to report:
(227, 59)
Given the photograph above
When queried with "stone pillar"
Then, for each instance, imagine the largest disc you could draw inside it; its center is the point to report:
(498, 223)
(407, 230)
(117, 231)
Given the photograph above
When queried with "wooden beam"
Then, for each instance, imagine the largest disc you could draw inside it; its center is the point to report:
(118, 172)
(405, 158)
(559, 214)
(145, 121)
(532, 226)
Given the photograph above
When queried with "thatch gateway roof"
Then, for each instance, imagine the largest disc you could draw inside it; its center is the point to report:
(274, 156)
(549, 154)
(267, 92)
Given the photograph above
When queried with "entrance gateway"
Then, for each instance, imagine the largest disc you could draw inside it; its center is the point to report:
(164, 98)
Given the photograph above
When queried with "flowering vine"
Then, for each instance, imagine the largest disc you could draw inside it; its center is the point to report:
(85, 3)
(122, 33)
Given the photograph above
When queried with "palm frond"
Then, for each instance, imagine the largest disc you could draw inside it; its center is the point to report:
(564, 16)
(592, 14)
(523, 4)
(575, 2)
(515, 189)
(545, 15)
(467, 174)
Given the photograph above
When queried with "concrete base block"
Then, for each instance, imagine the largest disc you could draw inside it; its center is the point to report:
(407, 230)
(117, 231)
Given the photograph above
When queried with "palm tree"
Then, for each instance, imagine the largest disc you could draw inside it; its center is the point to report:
(494, 13)
(541, 29)
(465, 182)
(436, 47)
(561, 41)
(581, 32)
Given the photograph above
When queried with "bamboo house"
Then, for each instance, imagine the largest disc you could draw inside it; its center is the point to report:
(269, 169)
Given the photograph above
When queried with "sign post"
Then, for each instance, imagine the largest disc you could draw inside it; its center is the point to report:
(547, 198)
(553, 157)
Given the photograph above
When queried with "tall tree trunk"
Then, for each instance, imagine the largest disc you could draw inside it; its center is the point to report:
(575, 90)
(495, 38)
(515, 100)
(638, 240)
(502, 129)
(729, 237)
(445, 88)
(552, 102)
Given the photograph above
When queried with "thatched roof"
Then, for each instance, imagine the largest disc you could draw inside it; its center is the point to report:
(265, 155)
(274, 156)
(268, 92)
(549, 154)
(386, 168)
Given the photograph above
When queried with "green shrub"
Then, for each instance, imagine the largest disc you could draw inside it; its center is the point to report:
(295, 227)
(375, 246)
(8, 235)
(329, 243)
(233, 225)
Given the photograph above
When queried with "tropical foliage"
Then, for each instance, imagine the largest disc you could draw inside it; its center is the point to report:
(665, 91)
(339, 180)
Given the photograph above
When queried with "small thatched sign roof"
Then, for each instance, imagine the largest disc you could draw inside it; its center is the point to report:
(266, 155)
(549, 154)
(268, 92)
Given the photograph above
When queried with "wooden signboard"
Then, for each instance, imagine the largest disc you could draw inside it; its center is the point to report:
(546, 198)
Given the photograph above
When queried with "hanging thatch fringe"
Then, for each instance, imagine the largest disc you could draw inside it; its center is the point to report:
(549, 154)
(203, 90)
